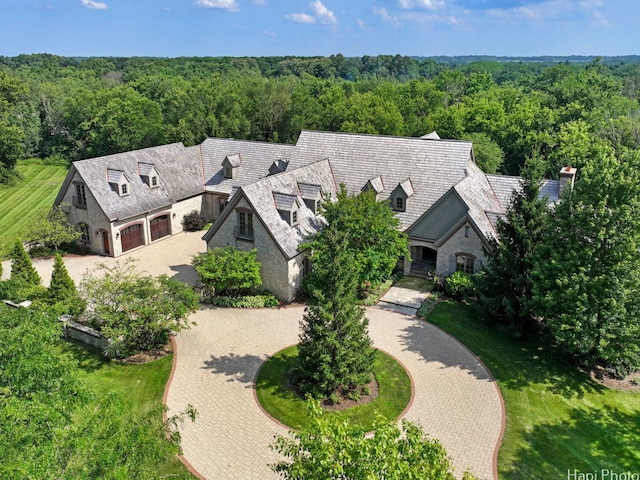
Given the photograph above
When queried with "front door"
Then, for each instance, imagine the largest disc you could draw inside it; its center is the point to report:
(105, 241)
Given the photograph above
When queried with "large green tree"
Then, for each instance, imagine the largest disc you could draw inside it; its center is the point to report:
(374, 243)
(504, 287)
(11, 134)
(585, 274)
(334, 354)
(332, 449)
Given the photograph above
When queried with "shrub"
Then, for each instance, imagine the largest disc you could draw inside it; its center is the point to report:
(459, 285)
(228, 270)
(193, 221)
(244, 301)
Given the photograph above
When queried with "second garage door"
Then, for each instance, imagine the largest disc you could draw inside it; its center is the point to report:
(160, 227)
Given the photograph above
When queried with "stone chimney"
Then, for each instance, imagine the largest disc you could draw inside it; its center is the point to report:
(567, 178)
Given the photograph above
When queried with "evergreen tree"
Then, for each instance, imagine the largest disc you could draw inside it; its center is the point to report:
(585, 277)
(22, 270)
(63, 293)
(505, 286)
(335, 353)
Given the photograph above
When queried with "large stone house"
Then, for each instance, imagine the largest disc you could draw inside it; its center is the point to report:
(267, 196)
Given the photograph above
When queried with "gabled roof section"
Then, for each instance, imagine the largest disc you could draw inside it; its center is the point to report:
(285, 201)
(405, 187)
(285, 187)
(117, 177)
(310, 192)
(182, 178)
(234, 160)
(433, 165)
(375, 184)
(506, 186)
(257, 158)
(146, 169)
(278, 166)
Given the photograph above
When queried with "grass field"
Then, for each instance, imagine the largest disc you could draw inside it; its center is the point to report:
(558, 418)
(276, 396)
(141, 385)
(31, 198)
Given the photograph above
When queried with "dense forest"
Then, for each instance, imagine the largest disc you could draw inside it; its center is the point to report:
(562, 111)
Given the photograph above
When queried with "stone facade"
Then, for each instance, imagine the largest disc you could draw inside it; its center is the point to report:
(464, 241)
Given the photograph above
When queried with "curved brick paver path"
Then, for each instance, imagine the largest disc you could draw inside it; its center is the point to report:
(455, 399)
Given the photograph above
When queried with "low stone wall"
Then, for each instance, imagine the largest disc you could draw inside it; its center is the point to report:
(83, 334)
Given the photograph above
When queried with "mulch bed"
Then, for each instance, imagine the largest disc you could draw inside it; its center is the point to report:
(629, 383)
(148, 356)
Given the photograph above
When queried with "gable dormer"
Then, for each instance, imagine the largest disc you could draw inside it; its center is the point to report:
(278, 166)
(311, 195)
(149, 174)
(287, 206)
(400, 196)
(119, 181)
(375, 185)
(229, 164)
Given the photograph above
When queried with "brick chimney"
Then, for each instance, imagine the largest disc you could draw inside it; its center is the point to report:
(567, 178)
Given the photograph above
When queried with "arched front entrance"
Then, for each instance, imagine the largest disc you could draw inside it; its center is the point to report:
(106, 246)
(423, 260)
(160, 227)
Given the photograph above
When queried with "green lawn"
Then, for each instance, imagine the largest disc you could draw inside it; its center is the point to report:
(31, 198)
(277, 398)
(141, 385)
(558, 419)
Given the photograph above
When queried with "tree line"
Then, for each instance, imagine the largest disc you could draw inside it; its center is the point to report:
(66, 109)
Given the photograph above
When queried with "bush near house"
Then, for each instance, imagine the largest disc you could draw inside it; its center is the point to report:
(227, 270)
(193, 221)
(137, 312)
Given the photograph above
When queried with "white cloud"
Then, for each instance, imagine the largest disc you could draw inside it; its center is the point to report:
(589, 4)
(430, 4)
(361, 23)
(218, 4)
(268, 33)
(260, 3)
(323, 14)
(301, 18)
(382, 13)
(94, 5)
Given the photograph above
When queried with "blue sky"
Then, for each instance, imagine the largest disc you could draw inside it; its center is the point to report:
(171, 28)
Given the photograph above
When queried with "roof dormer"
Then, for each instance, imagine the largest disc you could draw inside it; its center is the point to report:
(400, 195)
(287, 206)
(311, 195)
(278, 166)
(375, 185)
(229, 164)
(149, 174)
(119, 181)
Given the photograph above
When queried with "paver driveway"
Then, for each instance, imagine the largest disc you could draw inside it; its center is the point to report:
(455, 399)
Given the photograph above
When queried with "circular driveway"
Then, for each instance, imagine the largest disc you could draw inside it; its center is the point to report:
(455, 400)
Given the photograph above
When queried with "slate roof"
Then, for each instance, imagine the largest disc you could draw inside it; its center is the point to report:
(505, 186)
(145, 169)
(257, 158)
(433, 165)
(261, 196)
(309, 191)
(181, 178)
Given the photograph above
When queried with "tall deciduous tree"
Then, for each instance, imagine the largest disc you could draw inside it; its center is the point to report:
(331, 448)
(53, 230)
(505, 286)
(334, 353)
(373, 240)
(585, 277)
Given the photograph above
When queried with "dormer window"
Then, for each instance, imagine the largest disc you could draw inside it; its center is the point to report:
(149, 174)
(119, 181)
(229, 164)
(374, 185)
(400, 195)
(278, 166)
(311, 195)
(287, 206)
